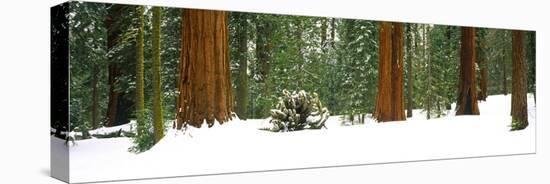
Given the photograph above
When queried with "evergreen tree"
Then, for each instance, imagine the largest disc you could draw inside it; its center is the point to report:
(158, 123)
(519, 82)
(241, 57)
(140, 96)
(87, 56)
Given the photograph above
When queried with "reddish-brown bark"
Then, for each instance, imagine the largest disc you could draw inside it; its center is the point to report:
(204, 79)
(519, 81)
(389, 100)
(467, 97)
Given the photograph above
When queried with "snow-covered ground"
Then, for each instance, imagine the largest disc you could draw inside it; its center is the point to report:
(239, 146)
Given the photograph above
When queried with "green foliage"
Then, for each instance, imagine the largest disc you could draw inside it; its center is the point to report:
(517, 125)
(140, 96)
(170, 56)
(144, 138)
(499, 60)
(88, 50)
(305, 55)
(335, 58)
(356, 68)
(435, 67)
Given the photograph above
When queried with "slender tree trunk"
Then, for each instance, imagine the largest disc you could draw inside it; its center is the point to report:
(158, 122)
(389, 101)
(467, 100)
(324, 29)
(532, 63)
(140, 96)
(519, 83)
(117, 105)
(332, 31)
(205, 88)
(242, 79)
(113, 95)
(429, 61)
(263, 55)
(95, 97)
(410, 79)
(450, 51)
(504, 80)
(483, 69)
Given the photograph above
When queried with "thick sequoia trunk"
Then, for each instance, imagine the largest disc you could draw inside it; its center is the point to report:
(398, 109)
(519, 83)
(389, 101)
(242, 77)
(204, 84)
(467, 100)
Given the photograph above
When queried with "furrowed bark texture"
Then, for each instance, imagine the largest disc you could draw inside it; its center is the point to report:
(467, 96)
(204, 84)
(519, 81)
(389, 100)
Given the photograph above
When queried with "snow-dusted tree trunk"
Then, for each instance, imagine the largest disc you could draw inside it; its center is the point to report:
(204, 78)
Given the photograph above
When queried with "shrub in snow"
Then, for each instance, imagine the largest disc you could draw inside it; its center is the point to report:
(298, 111)
(144, 138)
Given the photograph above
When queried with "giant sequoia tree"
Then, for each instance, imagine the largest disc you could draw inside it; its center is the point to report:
(519, 83)
(467, 91)
(204, 82)
(389, 102)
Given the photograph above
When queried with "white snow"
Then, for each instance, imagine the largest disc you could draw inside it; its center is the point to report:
(128, 127)
(239, 146)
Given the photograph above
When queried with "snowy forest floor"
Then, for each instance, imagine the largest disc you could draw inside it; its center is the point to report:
(239, 146)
